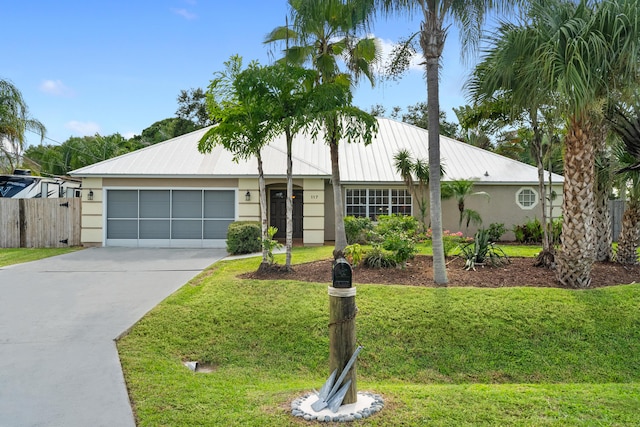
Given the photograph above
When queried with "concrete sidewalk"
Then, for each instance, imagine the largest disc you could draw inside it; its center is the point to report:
(58, 321)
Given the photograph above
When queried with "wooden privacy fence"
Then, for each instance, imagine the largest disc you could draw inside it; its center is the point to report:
(39, 223)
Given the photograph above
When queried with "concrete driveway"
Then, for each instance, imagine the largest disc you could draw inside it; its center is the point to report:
(58, 321)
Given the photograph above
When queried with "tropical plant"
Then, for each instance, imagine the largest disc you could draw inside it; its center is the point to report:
(402, 246)
(482, 251)
(576, 52)
(626, 124)
(396, 223)
(460, 189)
(15, 120)
(432, 35)
(322, 32)
(270, 244)
(236, 103)
(378, 257)
(354, 254)
(495, 231)
(418, 187)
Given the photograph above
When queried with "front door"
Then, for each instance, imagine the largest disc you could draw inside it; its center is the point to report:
(278, 212)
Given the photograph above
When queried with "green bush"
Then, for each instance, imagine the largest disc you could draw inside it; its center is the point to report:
(532, 231)
(243, 237)
(396, 224)
(377, 257)
(482, 251)
(496, 230)
(357, 229)
(401, 246)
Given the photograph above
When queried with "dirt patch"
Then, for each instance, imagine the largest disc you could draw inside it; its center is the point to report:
(419, 272)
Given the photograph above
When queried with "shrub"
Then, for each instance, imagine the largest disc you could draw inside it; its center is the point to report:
(357, 229)
(243, 237)
(354, 254)
(270, 244)
(530, 232)
(378, 257)
(401, 246)
(396, 224)
(496, 230)
(450, 240)
(482, 251)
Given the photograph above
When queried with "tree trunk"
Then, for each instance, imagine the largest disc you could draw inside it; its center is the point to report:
(432, 41)
(338, 204)
(289, 203)
(603, 186)
(264, 222)
(629, 238)
(575, 259)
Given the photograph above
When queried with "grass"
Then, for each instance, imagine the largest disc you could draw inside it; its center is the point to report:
(20, 255)
(439, 356)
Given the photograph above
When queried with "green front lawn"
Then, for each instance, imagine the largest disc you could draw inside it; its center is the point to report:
(20, 255)
(439, 356)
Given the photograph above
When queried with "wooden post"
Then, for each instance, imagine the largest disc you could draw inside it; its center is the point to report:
(342, 327)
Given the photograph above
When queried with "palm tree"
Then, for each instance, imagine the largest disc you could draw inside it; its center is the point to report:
(575, 54)
(407, 168)
(460, 189)
(322, 32)
(626, 124)
(235, 102)
(15, 120)
(469, 15)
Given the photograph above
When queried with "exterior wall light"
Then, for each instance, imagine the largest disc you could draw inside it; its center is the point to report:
(247, 196)
(90, 195)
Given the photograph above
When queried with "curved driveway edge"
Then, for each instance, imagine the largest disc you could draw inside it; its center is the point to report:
(58, 320)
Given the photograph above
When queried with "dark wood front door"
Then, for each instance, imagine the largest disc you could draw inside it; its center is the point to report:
(278, 212)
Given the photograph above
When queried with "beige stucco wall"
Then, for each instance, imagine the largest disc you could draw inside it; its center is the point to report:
(499, 207)
(91, 220)
(313, 212)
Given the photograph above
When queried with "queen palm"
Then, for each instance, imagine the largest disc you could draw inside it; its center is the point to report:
(575, 54)
(322, 32)
(469, 15)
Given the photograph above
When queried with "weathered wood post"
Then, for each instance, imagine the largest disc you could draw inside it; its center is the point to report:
(342, 325)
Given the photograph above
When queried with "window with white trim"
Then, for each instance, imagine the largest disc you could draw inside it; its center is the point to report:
(527, 198)
(373, 202)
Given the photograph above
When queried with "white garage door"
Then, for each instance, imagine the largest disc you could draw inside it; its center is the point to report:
(169, 218)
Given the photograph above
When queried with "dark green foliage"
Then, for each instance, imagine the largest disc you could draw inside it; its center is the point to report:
(482, 251)
(401, 246)
(532, 232)
(357, 229)
(243, 237)
(496, 230)
(395, 223)
(378, 257)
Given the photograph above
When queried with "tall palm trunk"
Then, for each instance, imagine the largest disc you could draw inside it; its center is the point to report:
(338, 204)
(264, 222)
(603, 187)
(289, 235)
(629, 238)
(432, 38)
(575, 259)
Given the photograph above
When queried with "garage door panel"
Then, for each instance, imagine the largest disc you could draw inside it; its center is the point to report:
(154, 229)
(219, 204)
(187, 204)
(122, 229)
(122, 204)
(155, 203)
(186, 229)
(216, 229)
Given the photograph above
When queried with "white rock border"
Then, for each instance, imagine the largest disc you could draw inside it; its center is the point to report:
(367, 404)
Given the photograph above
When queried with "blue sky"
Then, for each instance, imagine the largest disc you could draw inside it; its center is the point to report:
(87, 67)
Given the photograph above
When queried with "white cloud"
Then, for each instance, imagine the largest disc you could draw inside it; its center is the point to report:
(83, 128)
(56, 88)
(185, 14)
(129, 135)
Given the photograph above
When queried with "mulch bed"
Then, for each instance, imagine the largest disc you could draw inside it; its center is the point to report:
(419, 272)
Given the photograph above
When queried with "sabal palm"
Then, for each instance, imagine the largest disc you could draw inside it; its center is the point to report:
(575, 54)
(15, 120)
(469, 16)
(322, 33)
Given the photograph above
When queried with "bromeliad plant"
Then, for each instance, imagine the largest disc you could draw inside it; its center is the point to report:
(482, 251)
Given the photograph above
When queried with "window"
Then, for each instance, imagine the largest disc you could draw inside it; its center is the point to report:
(373, 202)
(527, 198)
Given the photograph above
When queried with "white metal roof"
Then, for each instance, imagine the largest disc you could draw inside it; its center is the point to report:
(179, 157)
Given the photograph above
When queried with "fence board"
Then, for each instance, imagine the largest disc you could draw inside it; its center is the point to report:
(46, 223)
(9, 223)
(616, 209)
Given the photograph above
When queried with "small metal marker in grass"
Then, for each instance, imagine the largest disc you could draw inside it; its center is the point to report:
(338, 399)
